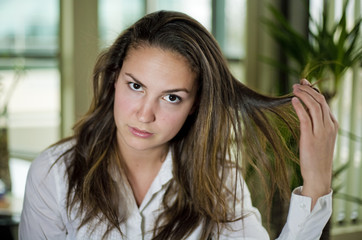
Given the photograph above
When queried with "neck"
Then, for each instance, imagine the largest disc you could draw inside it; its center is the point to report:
(143, 160)
(141, 168)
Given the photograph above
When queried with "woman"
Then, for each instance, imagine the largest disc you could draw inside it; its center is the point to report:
(158, 154)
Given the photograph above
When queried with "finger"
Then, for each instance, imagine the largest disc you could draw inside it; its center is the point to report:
(326, 112)
(312, 105)
(306, 125)
(335, 122)
(316, 89)
(334, 119)
(306, 82)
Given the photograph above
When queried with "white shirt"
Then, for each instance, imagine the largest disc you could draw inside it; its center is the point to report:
(44, 214)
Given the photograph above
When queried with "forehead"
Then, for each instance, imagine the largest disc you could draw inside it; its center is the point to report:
(148, 62)
(145, 48)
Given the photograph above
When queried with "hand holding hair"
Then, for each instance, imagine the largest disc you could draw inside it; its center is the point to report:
(318, 129)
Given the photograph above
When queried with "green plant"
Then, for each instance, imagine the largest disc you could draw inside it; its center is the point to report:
(324, 54)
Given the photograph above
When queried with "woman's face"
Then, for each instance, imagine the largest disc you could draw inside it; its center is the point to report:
(154, 94)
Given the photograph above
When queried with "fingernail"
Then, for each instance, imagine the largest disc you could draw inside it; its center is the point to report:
(305, 81)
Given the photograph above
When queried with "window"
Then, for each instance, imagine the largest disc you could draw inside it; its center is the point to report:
(28, 52)
(200, 10)
(234, 42)
(115, 16)
(29, 81)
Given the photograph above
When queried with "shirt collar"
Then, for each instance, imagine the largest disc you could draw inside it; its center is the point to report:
(163, 177)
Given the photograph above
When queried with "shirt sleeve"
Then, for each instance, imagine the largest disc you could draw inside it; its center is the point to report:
(41, 217)
(302, 223)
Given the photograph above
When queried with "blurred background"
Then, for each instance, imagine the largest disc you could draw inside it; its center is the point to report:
(48, 49)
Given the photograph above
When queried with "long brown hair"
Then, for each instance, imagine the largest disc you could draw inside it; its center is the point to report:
(230, 121)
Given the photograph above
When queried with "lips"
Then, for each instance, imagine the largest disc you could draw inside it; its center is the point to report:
(140, 133)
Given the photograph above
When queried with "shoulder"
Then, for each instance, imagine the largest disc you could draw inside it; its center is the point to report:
(44, 209)
(50, 161)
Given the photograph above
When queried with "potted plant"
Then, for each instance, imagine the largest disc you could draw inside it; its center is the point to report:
(322, 56)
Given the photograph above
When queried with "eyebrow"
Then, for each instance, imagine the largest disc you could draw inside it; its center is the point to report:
(165, 91)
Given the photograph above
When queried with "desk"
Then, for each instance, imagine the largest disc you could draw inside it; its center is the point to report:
(12, 204)
(10, 211)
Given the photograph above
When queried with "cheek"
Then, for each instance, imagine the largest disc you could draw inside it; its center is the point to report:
(174, 122)
(122, 106)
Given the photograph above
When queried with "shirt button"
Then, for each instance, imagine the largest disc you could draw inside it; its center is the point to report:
(302, 205)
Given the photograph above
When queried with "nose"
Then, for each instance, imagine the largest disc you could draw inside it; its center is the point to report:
(146, 112)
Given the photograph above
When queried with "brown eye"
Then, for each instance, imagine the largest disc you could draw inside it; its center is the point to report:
(172, 98)
(135, 86)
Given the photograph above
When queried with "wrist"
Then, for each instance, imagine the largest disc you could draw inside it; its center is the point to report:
(315, 191)
(317, 184)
